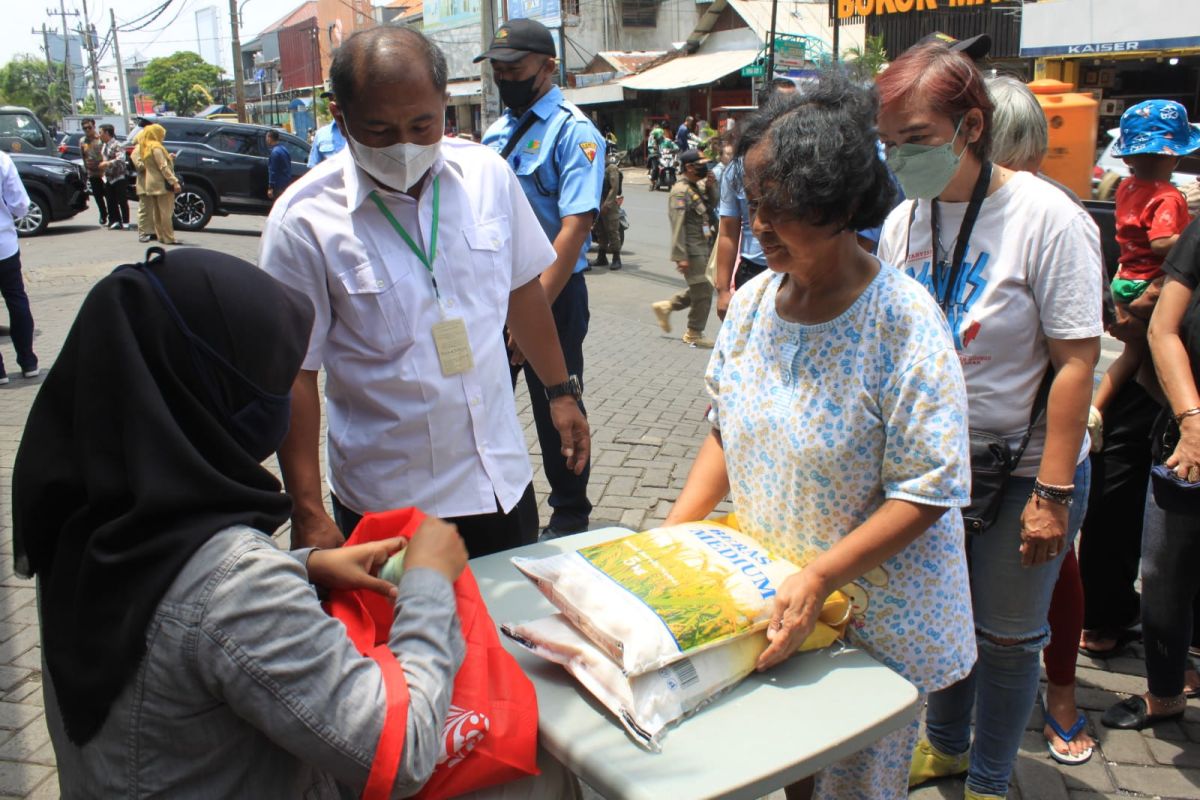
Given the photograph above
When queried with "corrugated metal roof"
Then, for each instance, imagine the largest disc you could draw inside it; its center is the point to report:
(797, 19)
(630, 61)
(306, 10)
(687, 71)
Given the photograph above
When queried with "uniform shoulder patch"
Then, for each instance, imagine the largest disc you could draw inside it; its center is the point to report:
(679, 201)
(589, 150)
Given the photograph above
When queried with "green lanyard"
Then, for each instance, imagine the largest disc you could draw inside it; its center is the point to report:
(426, 258)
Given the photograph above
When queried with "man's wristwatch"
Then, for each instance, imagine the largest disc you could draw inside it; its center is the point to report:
(568, 387)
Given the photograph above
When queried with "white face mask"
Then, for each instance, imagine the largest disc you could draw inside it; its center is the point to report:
(397, 166)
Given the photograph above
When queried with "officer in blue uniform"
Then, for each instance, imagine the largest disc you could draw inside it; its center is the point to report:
(558, 156)
(327, 142)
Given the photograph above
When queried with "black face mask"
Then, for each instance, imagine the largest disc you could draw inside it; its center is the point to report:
(259, 426)
(517, 95)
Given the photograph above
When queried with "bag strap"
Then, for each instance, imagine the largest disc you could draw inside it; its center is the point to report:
(525, 125)
(390, 747)
(1035, 414)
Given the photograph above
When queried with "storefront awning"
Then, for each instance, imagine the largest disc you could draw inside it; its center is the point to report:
(465, 89)
(595, 95)
(687, 71)
(1093, 28)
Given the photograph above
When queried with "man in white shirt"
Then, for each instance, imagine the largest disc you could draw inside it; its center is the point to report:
(415, 250)
(12, 285)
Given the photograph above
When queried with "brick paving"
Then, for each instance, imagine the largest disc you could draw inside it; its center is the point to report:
(646, 405)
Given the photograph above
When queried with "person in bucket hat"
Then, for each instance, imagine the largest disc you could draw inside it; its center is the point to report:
(1150, 215)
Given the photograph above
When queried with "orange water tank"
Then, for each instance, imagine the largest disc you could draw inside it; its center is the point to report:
(1073, 119)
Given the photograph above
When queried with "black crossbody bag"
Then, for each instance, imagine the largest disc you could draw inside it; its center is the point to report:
(992, 458)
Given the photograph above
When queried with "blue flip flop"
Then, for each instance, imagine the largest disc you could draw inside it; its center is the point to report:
(1066, 736)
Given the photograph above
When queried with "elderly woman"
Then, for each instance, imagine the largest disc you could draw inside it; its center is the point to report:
(1171, 535)
(838, 415)
(1020, 138)
(1015, 266)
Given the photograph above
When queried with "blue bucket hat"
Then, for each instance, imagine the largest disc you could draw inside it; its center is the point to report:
(1156, 127)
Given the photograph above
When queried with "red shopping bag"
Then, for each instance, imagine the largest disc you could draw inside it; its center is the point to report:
(490, 734)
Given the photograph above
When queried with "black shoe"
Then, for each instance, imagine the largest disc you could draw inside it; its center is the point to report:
(616, 264)
(550, 532)
(1132, 714)
(601, 261)
(5, 330)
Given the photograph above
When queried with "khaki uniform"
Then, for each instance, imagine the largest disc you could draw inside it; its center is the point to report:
(689, 207)
(158, 181)
(608, 223)
(143, 218)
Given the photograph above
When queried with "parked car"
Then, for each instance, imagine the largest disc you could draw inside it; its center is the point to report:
(56, 189)
(68, 146)
(1110, 170)
(222, 166)
(22, 132)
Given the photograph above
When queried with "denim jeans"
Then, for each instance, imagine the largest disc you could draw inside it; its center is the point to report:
(12, 287)
(1010, 602)
(570, 507)
(1170, 583)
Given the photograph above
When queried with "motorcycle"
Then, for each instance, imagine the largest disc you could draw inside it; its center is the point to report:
(664, 172)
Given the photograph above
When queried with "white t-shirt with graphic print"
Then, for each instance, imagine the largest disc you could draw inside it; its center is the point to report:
(1031, 270)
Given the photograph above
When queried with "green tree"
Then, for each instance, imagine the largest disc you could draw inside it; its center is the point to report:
(25, 81)
(88, 106)
(865, 62)
(180, 81)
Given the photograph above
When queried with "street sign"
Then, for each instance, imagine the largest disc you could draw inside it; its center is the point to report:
(754, 71)
(789, 53)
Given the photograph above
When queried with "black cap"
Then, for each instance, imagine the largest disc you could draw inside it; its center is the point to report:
(326, 95)
(518, 38)
(692, 156)
(975, 47)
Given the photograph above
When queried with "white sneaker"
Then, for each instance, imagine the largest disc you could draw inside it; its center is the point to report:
(31, 373)
(3, 379)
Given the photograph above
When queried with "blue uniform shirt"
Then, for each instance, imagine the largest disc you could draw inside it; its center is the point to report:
(327, 141)
(733, 204)
(559, 161)
(279, 168)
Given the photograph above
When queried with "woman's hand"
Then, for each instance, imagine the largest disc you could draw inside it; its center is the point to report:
(1185, 460)
(1043, 530)
(797, 606)
(355, 567)
(436, 545)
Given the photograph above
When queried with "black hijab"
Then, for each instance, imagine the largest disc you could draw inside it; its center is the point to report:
(145, 440)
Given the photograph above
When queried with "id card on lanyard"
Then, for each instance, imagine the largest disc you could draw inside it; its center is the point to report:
(450, 334)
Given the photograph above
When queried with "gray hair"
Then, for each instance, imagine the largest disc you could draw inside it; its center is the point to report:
(1020, 135)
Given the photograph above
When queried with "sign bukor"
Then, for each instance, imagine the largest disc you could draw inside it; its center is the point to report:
(867, 8)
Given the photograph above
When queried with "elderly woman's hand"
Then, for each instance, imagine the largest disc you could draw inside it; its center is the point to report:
(1185, 459)
(797, 606)
(1043, 530)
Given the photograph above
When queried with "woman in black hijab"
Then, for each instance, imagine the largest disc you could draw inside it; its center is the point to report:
(186, 655)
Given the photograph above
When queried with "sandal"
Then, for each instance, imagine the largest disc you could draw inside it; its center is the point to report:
(1122, 639)
(1132, 714)
(1067, 736)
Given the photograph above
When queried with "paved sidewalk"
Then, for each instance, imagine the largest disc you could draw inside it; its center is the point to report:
(646, 405)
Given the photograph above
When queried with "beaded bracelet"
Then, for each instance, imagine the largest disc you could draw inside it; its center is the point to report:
(1191, 412)
(1063, 495)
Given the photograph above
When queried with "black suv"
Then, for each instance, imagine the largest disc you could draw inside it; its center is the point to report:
(56, 190)
(222, 166)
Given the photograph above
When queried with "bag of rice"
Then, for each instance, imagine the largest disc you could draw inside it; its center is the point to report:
(646, 704)
(650, 598)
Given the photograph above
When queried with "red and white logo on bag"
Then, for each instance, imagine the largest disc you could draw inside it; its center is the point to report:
(463, 730)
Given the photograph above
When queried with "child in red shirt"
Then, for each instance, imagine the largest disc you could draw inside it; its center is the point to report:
(1150, 214)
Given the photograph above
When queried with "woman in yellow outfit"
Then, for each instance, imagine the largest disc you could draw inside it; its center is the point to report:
(159, 183)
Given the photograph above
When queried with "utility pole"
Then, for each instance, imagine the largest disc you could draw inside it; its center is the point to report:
(66, 37)
(46, 47)
(771, 46)
(89, 34)
(490, 101)
(112, 16)
(239, 86)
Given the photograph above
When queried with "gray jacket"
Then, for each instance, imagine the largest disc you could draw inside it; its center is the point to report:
(248, 689)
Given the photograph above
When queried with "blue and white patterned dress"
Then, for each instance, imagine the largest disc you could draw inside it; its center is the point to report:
(821, 424)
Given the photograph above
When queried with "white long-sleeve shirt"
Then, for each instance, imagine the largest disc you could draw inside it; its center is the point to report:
(15, 205)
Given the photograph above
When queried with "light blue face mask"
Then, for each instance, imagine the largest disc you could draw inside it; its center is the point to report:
(924, 170)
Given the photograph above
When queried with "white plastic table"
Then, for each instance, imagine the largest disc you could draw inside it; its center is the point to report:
(770, 731)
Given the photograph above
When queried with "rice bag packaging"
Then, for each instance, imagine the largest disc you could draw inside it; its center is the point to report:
(651, 598)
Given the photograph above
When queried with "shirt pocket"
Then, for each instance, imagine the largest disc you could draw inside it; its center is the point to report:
(489, 256)
(372, 306)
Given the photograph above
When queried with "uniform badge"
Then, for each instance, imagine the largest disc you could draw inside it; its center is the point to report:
(679, 202)
(532, 146)
(589, 150)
